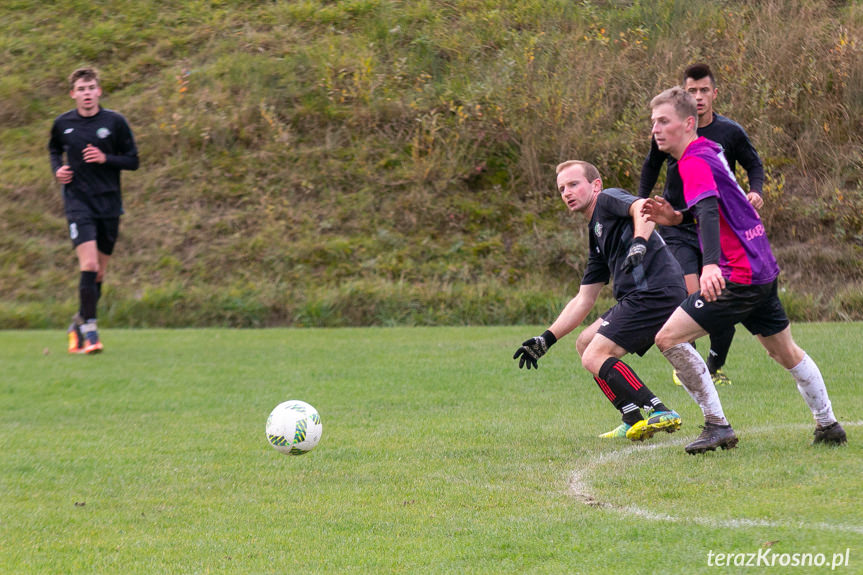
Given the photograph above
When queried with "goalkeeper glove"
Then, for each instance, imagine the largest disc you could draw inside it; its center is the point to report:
(635, 255)
(533, 349)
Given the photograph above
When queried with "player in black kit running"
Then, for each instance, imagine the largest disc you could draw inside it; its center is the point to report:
(88, 147)
(648, 287)
(699, 81)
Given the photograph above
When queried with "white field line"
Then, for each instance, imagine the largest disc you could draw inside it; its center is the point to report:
(579, 488)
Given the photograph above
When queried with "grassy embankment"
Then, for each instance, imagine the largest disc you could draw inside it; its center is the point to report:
(379, 162)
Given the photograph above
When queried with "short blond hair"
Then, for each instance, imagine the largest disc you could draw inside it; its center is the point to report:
(589, 170)
(683, 102)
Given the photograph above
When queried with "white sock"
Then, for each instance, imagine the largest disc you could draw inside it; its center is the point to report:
(696, 379)
(810, 383)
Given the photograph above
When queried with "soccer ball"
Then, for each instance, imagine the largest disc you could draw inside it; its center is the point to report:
(294, 427)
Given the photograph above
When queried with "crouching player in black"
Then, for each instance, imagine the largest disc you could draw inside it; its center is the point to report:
(648, 287)
(89, 146)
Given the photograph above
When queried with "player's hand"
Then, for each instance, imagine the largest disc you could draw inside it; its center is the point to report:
(712, 282)
(93, 155)
(635, 255)
(533, 349)
(64, 174)
(659, 211)
(755, 199)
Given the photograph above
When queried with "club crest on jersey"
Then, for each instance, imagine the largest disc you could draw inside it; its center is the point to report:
(103, 133)
(597, 230)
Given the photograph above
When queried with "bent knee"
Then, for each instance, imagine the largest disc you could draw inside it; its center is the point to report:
(581, 343)
(786, 357)
(593, 358)
(664, 340)
(589, 362)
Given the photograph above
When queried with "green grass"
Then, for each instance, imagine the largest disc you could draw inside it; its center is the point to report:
(438, 456)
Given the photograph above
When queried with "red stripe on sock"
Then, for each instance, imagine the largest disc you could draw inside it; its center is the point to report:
(627, 374)
(605, 389)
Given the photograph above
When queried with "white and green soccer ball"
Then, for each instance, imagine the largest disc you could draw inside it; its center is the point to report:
(294, 427)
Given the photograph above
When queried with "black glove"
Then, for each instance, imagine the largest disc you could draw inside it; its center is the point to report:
(635, 255)
(533, 349)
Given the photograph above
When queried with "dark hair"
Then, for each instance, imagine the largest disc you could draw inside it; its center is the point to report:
(83, 74)
(699, 71)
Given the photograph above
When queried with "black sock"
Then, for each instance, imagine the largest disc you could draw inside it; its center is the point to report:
(632, 417)
(631, 413)
(88, 295)
(624, 383)
(720, 343)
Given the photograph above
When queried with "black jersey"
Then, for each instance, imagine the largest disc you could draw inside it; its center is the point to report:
(611, 233)
(95, 188)
(736, 147)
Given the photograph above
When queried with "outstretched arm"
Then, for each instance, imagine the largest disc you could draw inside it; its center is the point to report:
(570, 318)
(575, 312)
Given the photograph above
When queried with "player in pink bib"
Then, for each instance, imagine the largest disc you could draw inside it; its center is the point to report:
(738, 279)
(745, 256)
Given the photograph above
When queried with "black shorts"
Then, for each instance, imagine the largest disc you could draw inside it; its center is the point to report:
(757, 307)
(688, 255)
(87, 229)
(636, 319)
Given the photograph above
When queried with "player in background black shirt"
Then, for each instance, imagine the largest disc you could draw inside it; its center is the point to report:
(89, 146)
(648, 287)
(699, 81)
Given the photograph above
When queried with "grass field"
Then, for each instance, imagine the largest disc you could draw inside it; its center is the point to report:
(438, 456)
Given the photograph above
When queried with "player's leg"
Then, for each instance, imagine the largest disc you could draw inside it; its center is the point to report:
(89, 329)
(629, 327)
(74, 335)
(720, 343)
(673, 341)
(632, 324)
(692, 286)
(107, 231)
(103, 266)
(584, 339)
(82, 232)
(687, 252)
(586, 336)
(88, 262)
(623, 388)
(780, 345)
(593, 357)
(689, 256)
